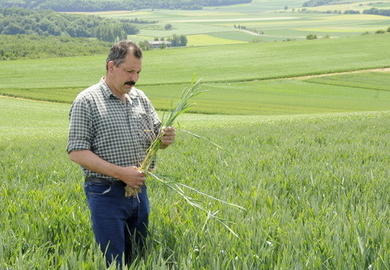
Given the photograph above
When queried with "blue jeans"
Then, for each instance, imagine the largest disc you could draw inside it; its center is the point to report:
(119, 223)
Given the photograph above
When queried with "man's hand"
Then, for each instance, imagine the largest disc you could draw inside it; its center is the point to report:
(131, 176)
(168, 137)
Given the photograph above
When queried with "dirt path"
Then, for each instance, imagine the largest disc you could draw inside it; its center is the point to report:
(251, 32)
(340, 73)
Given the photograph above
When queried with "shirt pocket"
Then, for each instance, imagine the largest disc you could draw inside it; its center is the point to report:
(146, 127)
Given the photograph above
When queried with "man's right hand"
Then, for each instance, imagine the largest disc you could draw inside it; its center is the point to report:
(131, 176)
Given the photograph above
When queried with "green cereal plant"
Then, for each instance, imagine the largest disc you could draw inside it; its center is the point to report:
(182, 106)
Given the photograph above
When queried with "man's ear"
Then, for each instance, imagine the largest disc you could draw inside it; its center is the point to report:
(110, 65)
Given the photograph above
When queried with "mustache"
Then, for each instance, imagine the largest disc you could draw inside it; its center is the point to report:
(131, 83)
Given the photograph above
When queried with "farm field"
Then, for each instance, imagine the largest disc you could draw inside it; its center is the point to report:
(316, 189)
(268, 97)
(275, 20)
(356, 5)
(273, 27)
(246, 78)
(235, 62)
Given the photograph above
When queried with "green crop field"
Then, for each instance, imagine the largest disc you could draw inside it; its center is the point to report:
(315, 188)
(235, 62)
(277, 20)
(353, 5)
(205, 40)
(371, 81)
(245, 72)
(338, 93)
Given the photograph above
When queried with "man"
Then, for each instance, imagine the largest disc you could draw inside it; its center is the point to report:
(111, 127)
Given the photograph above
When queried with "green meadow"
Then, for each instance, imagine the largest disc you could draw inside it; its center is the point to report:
(315, 188)
(230, 63)
(256, 78)
(276, 20)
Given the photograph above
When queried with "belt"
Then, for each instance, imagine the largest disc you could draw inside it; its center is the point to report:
(99, 180)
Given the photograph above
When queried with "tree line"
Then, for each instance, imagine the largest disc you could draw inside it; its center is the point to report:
(162, 43)
(44, 22)
(101, 5)
(33, 46)
(375, 11)
(316, 3)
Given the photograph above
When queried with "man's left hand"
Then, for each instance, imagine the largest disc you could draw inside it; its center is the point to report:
(168, 137)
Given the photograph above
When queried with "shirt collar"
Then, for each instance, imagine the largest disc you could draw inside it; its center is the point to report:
(105, 89)
(107, 93)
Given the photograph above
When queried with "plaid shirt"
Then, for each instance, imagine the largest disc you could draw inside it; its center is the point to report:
(118, 132)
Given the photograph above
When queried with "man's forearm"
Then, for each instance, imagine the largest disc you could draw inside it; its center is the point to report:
(93, 162)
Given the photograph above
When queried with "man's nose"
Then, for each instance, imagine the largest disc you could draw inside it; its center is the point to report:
(134, 76)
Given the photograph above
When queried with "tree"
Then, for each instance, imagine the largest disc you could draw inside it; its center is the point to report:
(144, 45)
(183, 40)
(111, 33)
(380, 32)
(12, 29)
(168, 27)
(311, 36)
(175, 41)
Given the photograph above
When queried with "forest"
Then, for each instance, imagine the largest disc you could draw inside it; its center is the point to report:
(100, 5)
(375, 11)
(44, 22)
(33, 46)
(315, 3)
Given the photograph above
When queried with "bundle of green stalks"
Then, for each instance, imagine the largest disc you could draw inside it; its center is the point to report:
(182, 106)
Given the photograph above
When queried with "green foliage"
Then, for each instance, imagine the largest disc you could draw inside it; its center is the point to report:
(264, 60)
(311, 36)
(144, 45)
(380, 31)
(32, 46)
(168, 27)
(111, 32)
(21, 21)
(316, 189)
(95, 5)
(316, 3)
(351, 11)
(178, 40)
(338, 93)
(375, 11)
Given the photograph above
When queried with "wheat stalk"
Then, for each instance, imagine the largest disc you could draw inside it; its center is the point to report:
(182, 106)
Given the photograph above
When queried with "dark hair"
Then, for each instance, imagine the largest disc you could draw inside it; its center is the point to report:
(118, 52)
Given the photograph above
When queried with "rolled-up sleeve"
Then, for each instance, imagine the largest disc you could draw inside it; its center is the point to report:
(80, 126)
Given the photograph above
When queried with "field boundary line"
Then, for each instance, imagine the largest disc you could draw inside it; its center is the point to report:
(383, 69)
(281, 77)
(2, 95)
(271, 78)
(352, 86)
(288, 77)
(261, 117)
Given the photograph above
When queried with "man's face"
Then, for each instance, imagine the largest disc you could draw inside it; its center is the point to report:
(125, 75)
